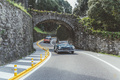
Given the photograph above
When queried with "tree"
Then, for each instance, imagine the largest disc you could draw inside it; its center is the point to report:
(107, 12)
(24, 2)
(81, 8)
(51, 5)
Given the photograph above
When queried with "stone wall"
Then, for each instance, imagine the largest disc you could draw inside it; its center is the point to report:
(16, 35)
(38, 36)
(86, 41)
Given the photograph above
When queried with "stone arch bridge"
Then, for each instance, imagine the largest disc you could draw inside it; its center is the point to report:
(68, 20)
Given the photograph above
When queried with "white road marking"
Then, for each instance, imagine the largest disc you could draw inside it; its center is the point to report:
(35, 55)
(33, 58)
(103, 61)
(35, 68)
(51, 42)
(28, 61)
(18, 66)
(4, 75)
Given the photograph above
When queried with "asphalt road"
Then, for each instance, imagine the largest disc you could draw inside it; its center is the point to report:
(77, 66)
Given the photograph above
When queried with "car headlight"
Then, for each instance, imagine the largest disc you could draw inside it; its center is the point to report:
(73, 47)
(59, 47)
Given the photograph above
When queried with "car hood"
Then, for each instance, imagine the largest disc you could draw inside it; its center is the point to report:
(65, 45)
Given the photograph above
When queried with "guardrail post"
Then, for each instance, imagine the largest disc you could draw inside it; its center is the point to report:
(15, 70)
(31, 61)
(45, 54)
(48, 52)
(40, 57)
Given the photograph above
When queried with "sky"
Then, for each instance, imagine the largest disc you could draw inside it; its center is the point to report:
(72, 2)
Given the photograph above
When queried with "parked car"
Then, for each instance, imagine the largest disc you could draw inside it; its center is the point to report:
(47, 40)
(63, 46)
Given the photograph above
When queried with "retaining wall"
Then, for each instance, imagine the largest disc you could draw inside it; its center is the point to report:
(16, 33)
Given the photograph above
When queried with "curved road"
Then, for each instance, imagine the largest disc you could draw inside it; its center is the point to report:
(78, 66)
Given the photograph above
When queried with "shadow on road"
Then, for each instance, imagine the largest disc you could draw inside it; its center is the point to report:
(62, 53)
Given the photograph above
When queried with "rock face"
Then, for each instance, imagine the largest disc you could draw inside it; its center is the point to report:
(96, 43)
(16, 33)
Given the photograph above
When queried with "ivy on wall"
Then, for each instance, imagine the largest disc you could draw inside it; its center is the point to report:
(43, 11)
(86, 25)
(19, 6)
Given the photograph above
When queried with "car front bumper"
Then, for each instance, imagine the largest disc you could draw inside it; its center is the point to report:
(66, 51)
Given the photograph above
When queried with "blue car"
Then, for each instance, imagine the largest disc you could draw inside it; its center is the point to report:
(63, 46)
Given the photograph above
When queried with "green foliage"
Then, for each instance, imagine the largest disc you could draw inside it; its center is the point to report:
(81, 8)
(109, 54)
(44, 11)
(51, 5)
(88, 22)
(106, 13)
(19, 6)
(42, 32)
(2, 31)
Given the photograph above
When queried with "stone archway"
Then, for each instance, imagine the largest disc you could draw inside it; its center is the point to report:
(68, 20)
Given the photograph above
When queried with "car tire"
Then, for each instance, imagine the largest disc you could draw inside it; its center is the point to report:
(57, 52)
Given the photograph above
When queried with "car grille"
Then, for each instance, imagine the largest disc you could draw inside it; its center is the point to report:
(66, 48)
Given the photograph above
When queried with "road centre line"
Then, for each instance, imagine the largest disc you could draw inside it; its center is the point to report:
(103, 61)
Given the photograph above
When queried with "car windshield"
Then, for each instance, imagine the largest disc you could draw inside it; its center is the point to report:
(47, 38)
(63, 42)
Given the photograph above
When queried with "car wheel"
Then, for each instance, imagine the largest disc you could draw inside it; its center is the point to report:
(57, 52)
